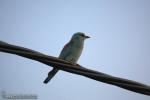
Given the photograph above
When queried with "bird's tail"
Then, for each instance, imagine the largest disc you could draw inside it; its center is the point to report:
(51, 74)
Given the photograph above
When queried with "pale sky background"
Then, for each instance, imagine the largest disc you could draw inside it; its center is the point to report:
(119, 46)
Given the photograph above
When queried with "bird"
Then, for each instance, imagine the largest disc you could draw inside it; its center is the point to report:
(71, 52)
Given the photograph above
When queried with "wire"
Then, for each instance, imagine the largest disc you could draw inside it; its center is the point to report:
(76, 69)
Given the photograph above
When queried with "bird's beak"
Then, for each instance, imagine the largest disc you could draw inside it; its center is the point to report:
(86, 37)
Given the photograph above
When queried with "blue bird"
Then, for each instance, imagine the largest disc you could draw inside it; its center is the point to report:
(71, 52)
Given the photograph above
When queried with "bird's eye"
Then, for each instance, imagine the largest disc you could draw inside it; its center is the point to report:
(82, 35)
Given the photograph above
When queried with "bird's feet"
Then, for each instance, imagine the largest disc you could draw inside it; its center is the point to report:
(73, 63)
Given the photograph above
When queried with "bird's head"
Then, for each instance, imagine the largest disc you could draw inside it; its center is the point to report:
(80, 36)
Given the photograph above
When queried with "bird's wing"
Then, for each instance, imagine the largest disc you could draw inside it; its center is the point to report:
(66, 50)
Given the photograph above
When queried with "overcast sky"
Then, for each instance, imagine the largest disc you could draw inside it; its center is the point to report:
(119, 46)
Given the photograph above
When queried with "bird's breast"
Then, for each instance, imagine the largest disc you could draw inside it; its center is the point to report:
(75, 52)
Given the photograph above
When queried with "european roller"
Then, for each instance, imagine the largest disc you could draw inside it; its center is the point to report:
(71, 52)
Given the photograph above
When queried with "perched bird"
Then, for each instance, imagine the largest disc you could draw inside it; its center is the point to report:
(71, 52)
